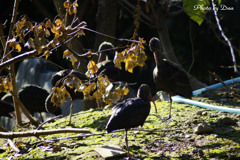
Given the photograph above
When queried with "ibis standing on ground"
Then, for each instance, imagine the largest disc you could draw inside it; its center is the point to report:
(6, 109)
(58, 80)
(168, 76)
(131, 112)
(108, 68)
(33, 98)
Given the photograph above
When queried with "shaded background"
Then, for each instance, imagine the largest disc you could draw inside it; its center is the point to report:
(210, 53)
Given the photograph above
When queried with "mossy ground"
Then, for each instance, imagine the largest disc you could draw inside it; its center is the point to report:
(172, 139)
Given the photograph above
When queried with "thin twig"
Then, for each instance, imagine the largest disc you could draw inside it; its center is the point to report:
(213, 27)
(134, 8)
(191, 41)
(219, 80)
(79, 57)
(119, 39)
(10, 142)
(49, 120)
(225, 37)
(132, 13)
(13, 20)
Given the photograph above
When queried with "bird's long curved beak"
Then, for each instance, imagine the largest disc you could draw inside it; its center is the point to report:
(13, 114)
(153, 103)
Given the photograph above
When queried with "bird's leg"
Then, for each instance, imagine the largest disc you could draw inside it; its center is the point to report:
(99, 104)
(170, 106)
(41, 116)
(71, 109)
(126, 141)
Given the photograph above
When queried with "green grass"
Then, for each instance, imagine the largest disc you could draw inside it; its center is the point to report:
(174, 140)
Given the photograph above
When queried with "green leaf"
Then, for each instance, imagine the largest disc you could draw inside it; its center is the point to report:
(196, 9)
(219, 2)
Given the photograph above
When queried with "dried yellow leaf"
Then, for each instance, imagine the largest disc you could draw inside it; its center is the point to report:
(5, 84)
(80, 33)
(47, 33)
(48, 24)
(8, 149)
(129, 65)
(66, 4)
(12, 42)
(74, 10)
(40, 27)
(118, 59)
(125, 91)
(55, 30)
(47, 54)
(66, 53)
(58, 22)
(92, 67)
(97, 95)
(75, 4)
(72, 59)
(19, 143)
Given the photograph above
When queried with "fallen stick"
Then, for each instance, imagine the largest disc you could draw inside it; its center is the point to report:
(103, 133)
(49, 120)
(37, 133)
(10, 142)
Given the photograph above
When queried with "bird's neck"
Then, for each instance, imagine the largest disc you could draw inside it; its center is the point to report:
(158, 58)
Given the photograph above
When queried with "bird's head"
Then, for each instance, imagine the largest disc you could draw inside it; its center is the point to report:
(155, 44)
(156, 48)
(50, 107)
(106, 49)
(144, 92)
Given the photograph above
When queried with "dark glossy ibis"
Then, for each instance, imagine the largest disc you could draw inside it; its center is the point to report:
(6, 109)
(57, 81)
(107, 67)
(168, 76)
(131, 112)
(33, 98)
(106, 51)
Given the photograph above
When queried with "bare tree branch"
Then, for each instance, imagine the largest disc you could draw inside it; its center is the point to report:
(225, 37)
(134, 8)
(176, 13)
(131, 12)
(192, 46)
(12, 68)
(103, 133)
(36, 133)
(18, 58)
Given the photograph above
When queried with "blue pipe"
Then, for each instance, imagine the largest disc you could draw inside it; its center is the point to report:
(217, 85)
(180, 99)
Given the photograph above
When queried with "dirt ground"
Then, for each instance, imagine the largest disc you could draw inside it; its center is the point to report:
(192, 133)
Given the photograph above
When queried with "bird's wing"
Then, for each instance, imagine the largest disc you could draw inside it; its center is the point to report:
(130, 114)
(178, 79)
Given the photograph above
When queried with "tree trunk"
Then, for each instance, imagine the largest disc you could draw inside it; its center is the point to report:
(106, 21)
(160, 15)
